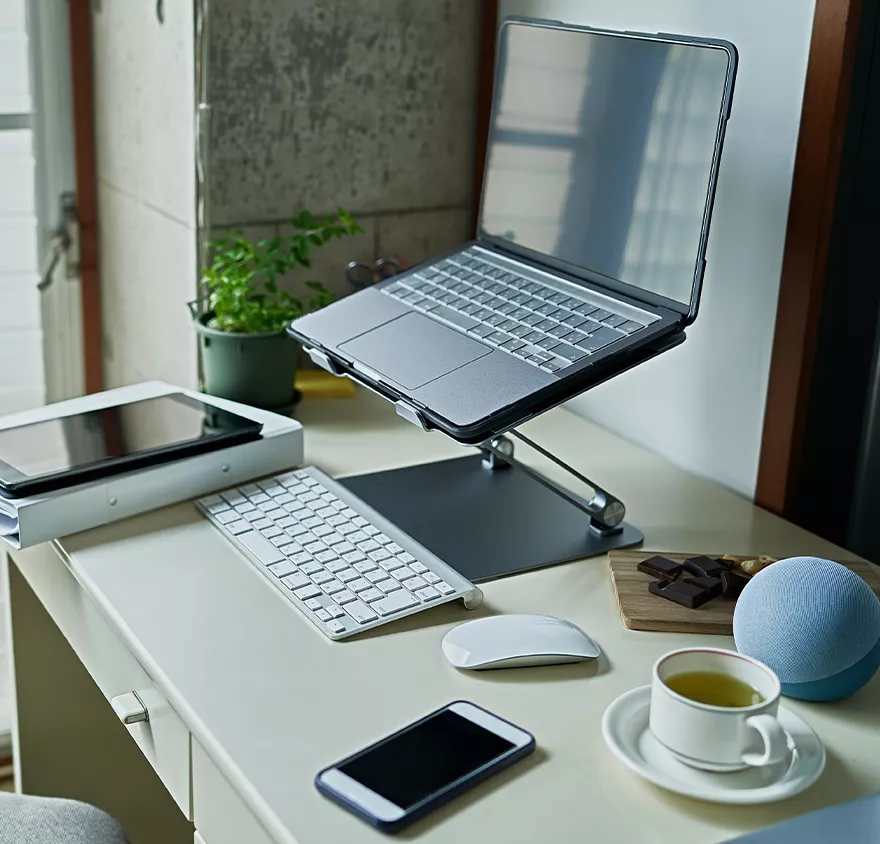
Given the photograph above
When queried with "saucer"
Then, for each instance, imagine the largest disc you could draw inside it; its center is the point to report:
(625, 729)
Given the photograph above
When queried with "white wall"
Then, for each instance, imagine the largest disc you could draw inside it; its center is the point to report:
(702, 404)
(145, 135)
(22, 382)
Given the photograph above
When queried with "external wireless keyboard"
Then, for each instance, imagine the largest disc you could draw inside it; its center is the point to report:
(344, 566)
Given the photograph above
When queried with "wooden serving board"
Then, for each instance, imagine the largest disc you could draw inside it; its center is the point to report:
(640, 610)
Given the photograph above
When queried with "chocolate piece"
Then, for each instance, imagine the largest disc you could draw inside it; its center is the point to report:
(703, 567)
(687, 594)
(660, 567)
(711, 584)
(732, 584)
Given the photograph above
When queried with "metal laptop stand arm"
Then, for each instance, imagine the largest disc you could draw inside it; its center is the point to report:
(606, 512)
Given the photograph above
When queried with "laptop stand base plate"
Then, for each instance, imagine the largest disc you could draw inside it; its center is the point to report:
(485, 523)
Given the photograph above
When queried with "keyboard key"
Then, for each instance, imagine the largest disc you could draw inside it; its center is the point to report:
(295, 581)
(368, 545)
(512, 345)
(406, 558)
(246, 507)
(353, 557)
(586, 309)
(461, 320)
(614, 320)
(370, 595)
(394, 548)
(395, 602)
(311, 567)
(335, 626)
(390, 564)
(630, 327)
(313, 547)
(259, 497)
(359, 585)
(347, 575)
(283, 568)
(325, 557)
(599, 339)
(418, 568)
(414, 584)
(237, 528)
(307, 592)
(263, 524)
(356, 536)
(364, 566)
(388, 586)
(323, 615)
(336, 566)
(569, 353)
(335, 612)
(443, 588)
(313, 604)
(431, 577)
(600, 314)
(261, 548)
(272, 532)
(226, 516)
(481, 330)
(322, 577)
(344, 597)
(378, 556)
(324, 531)
(427, 594)
(360, 612)
(331, 587)
(376, 575)
(403, 573)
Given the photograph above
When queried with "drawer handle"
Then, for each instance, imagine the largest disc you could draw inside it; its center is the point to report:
(130, 708)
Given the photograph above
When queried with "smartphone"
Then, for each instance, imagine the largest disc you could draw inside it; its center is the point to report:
(402, 777)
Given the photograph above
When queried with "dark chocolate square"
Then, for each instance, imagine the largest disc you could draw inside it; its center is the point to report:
(703, 567)
(711, 584)
(660, 567)
(732, 584)
(687, 594)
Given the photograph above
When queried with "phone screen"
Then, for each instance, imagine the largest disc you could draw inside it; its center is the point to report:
(424, 759)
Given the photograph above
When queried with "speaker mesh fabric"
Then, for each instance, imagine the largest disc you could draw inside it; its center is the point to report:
(807, 618)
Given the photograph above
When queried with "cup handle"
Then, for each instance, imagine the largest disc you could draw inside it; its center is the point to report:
(775, 741)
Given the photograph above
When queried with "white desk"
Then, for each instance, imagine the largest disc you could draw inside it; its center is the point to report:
(258, 701)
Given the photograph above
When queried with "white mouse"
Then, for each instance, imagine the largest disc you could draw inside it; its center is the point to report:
(514, 641)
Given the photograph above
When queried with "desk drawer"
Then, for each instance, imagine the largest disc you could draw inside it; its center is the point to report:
(220, 815)
(163, 739)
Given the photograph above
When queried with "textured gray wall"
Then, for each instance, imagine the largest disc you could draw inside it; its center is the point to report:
(368, 104)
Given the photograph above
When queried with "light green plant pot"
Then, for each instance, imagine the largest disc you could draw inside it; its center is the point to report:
(255, 369)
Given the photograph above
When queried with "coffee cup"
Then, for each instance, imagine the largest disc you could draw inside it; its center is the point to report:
(716, 709)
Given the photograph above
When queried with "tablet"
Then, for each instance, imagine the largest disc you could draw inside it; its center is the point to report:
(55, 453)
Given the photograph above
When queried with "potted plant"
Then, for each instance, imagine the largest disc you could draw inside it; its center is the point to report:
(247, 355)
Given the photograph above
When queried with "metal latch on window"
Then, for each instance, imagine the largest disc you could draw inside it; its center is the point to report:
(64, 242)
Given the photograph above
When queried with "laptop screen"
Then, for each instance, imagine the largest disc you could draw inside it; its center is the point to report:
(601, 152)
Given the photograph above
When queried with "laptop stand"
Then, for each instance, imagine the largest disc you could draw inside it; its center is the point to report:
(490, 515)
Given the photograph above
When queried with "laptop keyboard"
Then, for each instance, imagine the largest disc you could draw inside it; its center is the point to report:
(546, 327)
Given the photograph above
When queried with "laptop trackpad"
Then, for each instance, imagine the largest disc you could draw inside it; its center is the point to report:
(413, 350)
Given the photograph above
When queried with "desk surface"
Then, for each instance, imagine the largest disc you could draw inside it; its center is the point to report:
(273, 701)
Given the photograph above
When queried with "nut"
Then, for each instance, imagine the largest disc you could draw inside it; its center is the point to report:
(752, 567)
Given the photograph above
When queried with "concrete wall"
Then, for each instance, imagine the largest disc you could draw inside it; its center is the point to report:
(367, 104)
(145, 118)
(702, 405)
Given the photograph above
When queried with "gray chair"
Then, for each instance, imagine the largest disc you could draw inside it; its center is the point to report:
(47, 820)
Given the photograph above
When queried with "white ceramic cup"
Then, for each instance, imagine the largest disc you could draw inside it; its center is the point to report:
(717, 738)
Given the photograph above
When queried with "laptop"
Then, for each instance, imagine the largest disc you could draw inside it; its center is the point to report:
(600, 174)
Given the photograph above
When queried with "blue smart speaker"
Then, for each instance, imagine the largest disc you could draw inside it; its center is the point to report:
(815, 623)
